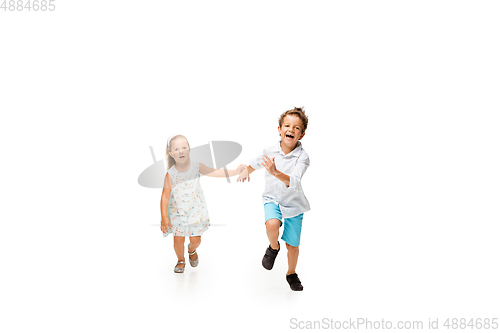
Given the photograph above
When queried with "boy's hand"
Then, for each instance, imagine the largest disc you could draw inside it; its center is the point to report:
(165, 225)
(243, 175)
(269, 165)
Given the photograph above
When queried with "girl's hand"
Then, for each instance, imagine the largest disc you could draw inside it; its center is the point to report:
(241, 168)
(165, 225)
(243, 176)
(269, 165)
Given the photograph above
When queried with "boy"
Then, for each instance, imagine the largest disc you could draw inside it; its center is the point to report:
(283, 198)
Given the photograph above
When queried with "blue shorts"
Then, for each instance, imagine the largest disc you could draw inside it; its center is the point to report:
(293, 225)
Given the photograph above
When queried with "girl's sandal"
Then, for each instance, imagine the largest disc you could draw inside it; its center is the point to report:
(180, 269)
(195, 262)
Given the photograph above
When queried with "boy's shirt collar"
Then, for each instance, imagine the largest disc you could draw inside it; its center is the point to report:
(295, 152)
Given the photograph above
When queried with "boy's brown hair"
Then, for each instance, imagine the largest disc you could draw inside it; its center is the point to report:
(298, 112)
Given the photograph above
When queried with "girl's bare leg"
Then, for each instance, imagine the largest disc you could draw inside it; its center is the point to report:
(179, 249)
(194, 242)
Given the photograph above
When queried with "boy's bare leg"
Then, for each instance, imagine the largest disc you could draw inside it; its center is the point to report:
(293, 257)
(179, 249)
(273, 232)
(194, 242)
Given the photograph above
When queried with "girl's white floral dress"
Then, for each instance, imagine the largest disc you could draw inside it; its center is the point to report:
(187, 208)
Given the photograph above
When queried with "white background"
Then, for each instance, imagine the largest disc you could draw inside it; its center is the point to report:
(403, 102)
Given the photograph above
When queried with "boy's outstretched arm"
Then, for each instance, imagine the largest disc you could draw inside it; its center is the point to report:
(204, 170)
(245, 174)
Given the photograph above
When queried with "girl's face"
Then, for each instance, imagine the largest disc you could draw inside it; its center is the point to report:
(179, 150)
(291, 130)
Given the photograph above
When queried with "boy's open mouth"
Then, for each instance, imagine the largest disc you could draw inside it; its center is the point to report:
(289, 136)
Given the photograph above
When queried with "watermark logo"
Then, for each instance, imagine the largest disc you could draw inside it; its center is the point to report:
(214, 154)
(355, 324)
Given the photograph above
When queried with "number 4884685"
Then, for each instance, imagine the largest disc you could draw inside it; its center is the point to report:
(28, 5)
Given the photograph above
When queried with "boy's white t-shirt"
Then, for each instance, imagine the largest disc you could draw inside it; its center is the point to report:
(291, 199)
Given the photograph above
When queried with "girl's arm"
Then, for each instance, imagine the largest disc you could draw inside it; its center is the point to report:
(204, 170)
(165, 196)
(245, 174)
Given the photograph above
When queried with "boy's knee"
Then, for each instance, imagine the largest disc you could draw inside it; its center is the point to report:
(292, 248)
(273, 224)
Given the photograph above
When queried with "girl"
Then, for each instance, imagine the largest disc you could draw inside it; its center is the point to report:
(183, 207)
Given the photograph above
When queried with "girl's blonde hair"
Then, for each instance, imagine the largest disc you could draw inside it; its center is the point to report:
(171, 160)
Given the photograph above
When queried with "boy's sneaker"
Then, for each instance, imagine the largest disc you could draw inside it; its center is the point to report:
(294, 282)
(269, 257)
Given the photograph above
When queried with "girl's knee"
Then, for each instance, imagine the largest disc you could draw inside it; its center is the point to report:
(291, 248)
(195, 240)
(179, 239)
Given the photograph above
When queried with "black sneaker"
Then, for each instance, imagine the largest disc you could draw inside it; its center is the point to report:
(269, 257)
(294, 282)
